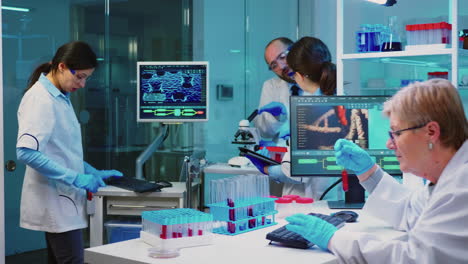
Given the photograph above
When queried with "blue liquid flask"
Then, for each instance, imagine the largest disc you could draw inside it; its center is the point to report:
(392, 41)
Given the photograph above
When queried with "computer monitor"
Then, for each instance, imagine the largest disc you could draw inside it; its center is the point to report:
(172, 92)
(317, 122)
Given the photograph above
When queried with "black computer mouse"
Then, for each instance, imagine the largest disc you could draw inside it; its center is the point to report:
(163, 183)
(348, 216)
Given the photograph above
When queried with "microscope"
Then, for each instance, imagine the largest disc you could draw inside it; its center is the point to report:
(246, 136)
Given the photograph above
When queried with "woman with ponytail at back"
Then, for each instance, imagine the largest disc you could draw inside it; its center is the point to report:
(53, 198)
(312, 69)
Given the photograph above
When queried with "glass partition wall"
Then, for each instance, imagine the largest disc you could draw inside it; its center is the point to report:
(231, 35)
(122, 33)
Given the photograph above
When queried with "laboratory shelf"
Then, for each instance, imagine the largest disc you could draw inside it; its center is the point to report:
(406, 53)
(359, 69)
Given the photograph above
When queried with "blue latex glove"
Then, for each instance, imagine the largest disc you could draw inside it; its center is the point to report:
(274, 108)
(88, 182)
(351, 156)
(312, 228)
(264, 152)
(266, 143)
(258, 163)
(47, 167)
(276, 174)
(284, 131)
(104, 174)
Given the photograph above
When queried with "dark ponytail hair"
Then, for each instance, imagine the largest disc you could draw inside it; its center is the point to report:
(310, 57)
(77, 55)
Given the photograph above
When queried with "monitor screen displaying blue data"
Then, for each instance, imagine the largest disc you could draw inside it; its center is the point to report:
(317, 122)
(172, 91)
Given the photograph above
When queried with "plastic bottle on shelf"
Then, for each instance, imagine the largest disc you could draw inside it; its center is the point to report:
(362, 38)
(378, 35)
(442, 75)
(392, 41)
(373, 38)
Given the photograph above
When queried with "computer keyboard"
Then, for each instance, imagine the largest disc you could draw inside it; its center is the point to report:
(133, 184)
(291, 239)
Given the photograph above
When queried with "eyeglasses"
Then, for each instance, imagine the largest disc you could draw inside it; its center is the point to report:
(281, 57)
(80, 77)
(394, 134)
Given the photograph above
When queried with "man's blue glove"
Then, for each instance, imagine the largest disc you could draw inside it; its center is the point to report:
(276, 174)
(264, 152)
(88, 182)
(274, 108)
(266, 143)
(284, 131)
(258, 163)
(312, 228)
(351, 156)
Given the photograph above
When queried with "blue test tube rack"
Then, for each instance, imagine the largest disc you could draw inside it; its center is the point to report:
(176, 223)
(244, 215)
(176, 228)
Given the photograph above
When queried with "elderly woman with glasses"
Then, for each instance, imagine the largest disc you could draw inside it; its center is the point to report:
(429, 132)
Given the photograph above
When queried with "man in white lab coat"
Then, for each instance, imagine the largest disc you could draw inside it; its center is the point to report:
(429, 135)
(276, 91)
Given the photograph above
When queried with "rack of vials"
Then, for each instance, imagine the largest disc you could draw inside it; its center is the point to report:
(241, 204)
(169, 230)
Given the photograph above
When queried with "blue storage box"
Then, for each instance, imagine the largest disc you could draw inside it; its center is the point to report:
(118, 231)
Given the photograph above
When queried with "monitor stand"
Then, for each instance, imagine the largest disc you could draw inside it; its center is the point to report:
(354, 197)
(146, 154)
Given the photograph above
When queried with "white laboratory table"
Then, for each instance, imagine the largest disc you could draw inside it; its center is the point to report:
(250, 247)
(112, 200)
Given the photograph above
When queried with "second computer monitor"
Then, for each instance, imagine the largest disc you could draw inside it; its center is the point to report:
(317, 122)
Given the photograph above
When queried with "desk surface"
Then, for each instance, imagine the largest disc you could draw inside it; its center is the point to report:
(177, 190)
(250, 247)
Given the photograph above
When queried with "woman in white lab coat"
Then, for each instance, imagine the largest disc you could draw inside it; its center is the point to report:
(49, 142)
(312, 69)
(429, 133)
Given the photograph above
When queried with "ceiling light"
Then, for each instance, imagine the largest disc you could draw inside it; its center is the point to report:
(12, 8)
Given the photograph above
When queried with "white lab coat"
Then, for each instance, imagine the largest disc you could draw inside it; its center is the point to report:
(274, 90)
(47, 123)
(435, 218)
(412, 181)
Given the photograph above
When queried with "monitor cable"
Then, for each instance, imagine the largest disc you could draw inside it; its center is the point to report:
(329, 188)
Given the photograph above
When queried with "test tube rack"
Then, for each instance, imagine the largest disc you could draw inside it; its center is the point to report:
(176, 228)
(237, 217)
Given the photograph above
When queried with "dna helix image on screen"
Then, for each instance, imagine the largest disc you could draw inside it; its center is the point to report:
(172, 91)
(318, 122)
(320, 130)
(171, 86)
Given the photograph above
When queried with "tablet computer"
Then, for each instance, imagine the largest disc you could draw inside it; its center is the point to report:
(248, 152)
